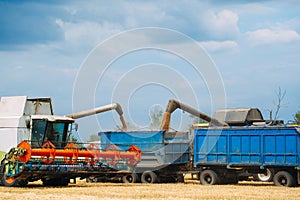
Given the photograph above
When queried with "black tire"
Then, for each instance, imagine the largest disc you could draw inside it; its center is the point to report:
(265, 177)
(180, 178)
(284, 178)
(149, 177)
(56, 182)
(23, 183)
(131, 178)
(91, 179)
(9, 182)
(209, 177)
(232, 180)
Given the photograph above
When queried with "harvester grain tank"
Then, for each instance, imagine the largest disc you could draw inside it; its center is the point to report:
(40, 146)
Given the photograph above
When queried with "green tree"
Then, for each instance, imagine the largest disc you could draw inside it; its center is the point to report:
(94, 138)
(297, 117)
(196, 120)
(130, 126)
(156, 114)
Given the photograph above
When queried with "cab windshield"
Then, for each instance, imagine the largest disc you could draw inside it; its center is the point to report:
(43, 131)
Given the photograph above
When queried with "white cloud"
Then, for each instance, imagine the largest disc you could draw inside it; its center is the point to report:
(269, 36)
(255, 9)
(221, 25)
(141, 13)
(87, 32)
(214, 46)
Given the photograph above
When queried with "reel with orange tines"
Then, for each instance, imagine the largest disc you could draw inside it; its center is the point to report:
(71, 153)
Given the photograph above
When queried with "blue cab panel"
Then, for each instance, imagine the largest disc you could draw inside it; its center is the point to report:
(172, 148)
(246, 146)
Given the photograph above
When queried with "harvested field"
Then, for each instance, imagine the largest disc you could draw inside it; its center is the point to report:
(188, 190)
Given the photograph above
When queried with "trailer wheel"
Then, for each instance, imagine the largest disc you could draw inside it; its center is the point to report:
(131, 178)
(209, 177)
(265, 177)
(284, 178)
(91, 179)
(149, 177)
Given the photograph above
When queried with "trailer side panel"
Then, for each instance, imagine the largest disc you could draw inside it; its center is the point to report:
(247, 146)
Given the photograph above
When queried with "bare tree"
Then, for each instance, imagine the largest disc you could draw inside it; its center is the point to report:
(279, 101)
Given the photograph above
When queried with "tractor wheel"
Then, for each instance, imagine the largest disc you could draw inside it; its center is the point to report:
(131, 178)
(149, 177)
(209, 177)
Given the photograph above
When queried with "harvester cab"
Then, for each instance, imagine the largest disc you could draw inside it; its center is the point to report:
(33, 120)
(55, 129)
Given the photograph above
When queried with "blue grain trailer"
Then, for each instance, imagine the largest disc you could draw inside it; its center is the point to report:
(222, 154)
(163, 153)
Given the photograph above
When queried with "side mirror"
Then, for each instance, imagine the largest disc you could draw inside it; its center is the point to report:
(27, 122)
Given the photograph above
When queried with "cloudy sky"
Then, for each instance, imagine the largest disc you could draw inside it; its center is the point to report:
(254, 45)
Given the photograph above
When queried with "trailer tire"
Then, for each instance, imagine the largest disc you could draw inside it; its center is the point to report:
(149, 177)
(91, 179)
(284, 178)
(265, 177)
(209, 177)
(131, 178)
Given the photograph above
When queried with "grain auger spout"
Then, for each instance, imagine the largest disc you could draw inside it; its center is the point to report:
(174, 104)
(94, 111)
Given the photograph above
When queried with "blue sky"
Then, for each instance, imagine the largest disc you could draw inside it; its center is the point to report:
(255, 46)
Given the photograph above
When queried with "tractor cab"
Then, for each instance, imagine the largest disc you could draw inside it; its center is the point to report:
(54, 129)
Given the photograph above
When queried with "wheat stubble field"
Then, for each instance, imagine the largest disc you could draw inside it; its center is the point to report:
(188, 190)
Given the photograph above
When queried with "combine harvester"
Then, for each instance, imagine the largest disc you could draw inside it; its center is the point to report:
(43, 148)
